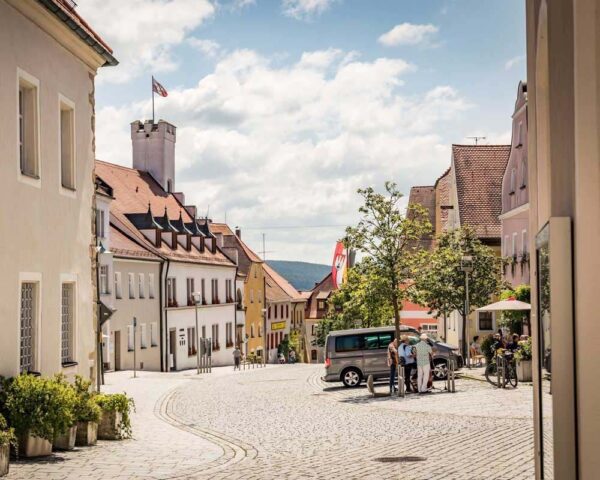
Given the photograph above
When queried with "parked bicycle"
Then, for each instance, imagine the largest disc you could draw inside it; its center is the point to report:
(509, 372)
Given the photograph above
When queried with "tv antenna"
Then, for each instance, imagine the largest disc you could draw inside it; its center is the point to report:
(477, 139)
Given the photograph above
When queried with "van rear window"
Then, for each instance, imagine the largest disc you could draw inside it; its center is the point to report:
(349, 343)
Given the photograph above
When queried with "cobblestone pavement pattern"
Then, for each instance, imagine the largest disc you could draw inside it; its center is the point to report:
(284, 422)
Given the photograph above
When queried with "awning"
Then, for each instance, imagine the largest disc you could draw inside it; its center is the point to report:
(105, 313)
(505, 305)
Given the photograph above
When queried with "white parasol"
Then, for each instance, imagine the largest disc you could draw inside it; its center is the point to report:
(509, 304)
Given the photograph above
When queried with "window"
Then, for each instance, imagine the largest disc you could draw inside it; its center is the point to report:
(524, 173)
(150, 285)
(28, 126)
(203, 291)
(251, 296)
(260, 296)
(215, 290)
(130, 338)
(141, 285)
(313, 330)
(520, 136)
(67, 323)
(191, 340)
(131, 285)
(239, 299)
(118, 292)
(143, 336)
(524, 240)
(514, 244)
(349, 343)
(486, 320)
(287, 311)
(104, 280)
(67, 144)
(320, 304)
(28, 315)
(171, 292)
(215, 337)
(251, 331)
(229, 291)
(255, 272)
(260, 331)
(204, 331)
(153, 334)
(269, 311)
(506, 252)
(513, 180)
(100, 223)
(313, 355)
(189, 283)
(229, 335)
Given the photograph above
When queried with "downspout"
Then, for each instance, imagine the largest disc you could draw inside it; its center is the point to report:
(163, 310)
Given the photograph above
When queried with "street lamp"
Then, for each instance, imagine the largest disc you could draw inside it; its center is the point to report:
(466, 265)
(264, 312)
(197, 298)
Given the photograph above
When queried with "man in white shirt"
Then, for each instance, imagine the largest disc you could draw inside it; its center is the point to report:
(424, 355)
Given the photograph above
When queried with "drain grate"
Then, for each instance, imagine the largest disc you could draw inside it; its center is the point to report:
(399, 459)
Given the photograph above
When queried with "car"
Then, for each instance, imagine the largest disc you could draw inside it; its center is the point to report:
(352, 355)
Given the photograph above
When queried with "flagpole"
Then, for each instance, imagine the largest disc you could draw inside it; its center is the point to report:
(152, 99)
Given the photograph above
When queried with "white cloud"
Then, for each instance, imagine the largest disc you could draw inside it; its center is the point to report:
(305, 9)
(514, 62)
(408, 34)
(289, 145)
(208, 47)
(143, 33)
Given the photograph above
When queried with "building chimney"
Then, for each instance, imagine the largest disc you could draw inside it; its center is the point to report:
(238, 232)
(154, 151)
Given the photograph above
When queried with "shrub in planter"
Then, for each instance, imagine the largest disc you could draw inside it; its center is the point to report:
(87, 413)
(38, 409)
(64, 439)
(7, 439)
(523, 356)
(116, 420)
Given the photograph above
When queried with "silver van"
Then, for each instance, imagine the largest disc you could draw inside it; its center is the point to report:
(352, 355)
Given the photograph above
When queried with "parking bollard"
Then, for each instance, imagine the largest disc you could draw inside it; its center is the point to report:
(401, 391)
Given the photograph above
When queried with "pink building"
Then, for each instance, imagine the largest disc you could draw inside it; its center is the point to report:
(515, 198)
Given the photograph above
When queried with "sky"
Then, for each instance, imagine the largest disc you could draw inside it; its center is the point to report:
(284, 108)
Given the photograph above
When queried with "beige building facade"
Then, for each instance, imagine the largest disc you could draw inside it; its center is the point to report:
(563, 71)
(47, 308)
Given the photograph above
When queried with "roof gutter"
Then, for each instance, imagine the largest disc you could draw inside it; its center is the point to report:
(82, 33)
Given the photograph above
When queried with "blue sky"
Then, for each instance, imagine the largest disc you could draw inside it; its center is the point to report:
(284, 108)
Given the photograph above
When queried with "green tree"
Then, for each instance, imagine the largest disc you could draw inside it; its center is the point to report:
(390, 238)
(439, 282)
(514, 320)
(361, 302)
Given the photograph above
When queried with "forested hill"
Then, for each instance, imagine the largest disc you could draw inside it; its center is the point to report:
(302, 275)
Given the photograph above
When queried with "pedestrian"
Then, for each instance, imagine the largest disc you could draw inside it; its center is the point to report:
(514, 344)
(237, 355)
(292, 356)
(476, 346)
(392, 361)
(424, 358)
(409, 363)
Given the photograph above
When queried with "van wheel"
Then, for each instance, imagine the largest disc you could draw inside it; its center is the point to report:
(440, 369)
(351, 378)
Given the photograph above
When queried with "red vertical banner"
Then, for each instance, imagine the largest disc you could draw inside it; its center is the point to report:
(340, 264)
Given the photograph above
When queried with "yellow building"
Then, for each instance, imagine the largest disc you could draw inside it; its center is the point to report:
(253, 297)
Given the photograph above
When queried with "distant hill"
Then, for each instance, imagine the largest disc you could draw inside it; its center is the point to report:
(302, 275)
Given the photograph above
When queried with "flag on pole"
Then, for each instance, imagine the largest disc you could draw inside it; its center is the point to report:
(340, 266)
(158, 88)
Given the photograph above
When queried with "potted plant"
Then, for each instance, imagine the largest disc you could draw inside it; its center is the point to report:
(66, 432)
(523, 357)
(116, 421)
(38, 409)
(7, 439)
(87, 413)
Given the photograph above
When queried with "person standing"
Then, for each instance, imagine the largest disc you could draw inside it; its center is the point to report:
(392, 361)
(237, 355)
(408, 355)
(424, 357)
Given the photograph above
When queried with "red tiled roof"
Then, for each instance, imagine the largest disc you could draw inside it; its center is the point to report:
(424, 196)
(282, 283)
(479, 170)
(325, 285)
(123, 246)
(227, 232)
(133, 191)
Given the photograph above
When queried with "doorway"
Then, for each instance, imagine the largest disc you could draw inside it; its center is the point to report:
(173, 349)
(117, 350)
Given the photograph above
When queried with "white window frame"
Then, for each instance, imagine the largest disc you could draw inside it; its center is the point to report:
(70, 190)
(153, 334)
(524, 242)
(130, 339)
(141, 280)
(30, 82)
(493, 329)
(69, 280)
(35, 278)
(150, 285)
(171, 292)
(131, 286)
(118, 289)
(104, 279)
(143, 335)
(514, 244)
(190, 285)
(101, 223)
(191, 339)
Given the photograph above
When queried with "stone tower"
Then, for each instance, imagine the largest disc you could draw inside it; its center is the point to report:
(154, 150)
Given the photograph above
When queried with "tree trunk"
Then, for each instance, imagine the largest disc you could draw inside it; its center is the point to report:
(465, 340)
(396, 305)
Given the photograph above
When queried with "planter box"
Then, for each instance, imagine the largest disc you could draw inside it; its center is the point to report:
(87, 434)
(4, 454)
(66, 441)
(109, 426)
(30, 446)
(524, 371)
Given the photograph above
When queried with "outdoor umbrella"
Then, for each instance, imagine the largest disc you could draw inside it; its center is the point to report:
(509, 304)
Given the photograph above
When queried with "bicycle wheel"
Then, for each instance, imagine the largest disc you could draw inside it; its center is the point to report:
(511, 376)
(491, 374)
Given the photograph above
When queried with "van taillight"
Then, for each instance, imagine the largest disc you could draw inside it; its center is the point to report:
(327, 362)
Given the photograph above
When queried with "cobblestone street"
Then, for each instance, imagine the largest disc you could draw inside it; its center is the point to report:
(284, 422)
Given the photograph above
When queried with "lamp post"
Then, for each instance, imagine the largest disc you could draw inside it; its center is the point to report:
(466, 265)
(197, 298)
(264, 312)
